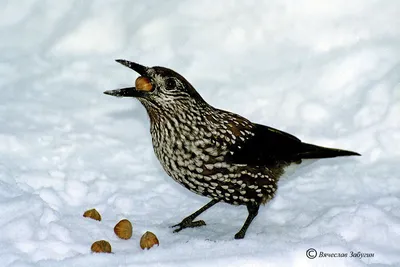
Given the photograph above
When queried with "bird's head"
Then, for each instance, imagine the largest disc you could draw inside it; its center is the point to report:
(158, 88)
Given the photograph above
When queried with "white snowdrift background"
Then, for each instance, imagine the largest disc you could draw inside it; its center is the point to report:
(328, 72)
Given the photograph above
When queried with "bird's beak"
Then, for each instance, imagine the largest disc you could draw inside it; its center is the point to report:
(129, 91)
(142, 70)
(125, 92)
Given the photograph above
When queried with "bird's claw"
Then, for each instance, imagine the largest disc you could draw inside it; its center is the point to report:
(240, 235)
(188, 224)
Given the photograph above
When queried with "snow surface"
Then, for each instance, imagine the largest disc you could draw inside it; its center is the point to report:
(326, 71)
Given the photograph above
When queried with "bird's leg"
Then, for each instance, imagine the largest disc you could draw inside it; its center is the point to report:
(253, 211)
(188, 221)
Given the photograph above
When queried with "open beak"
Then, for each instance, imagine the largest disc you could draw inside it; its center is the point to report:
(142, 70)
(129, 91)
(124, 92)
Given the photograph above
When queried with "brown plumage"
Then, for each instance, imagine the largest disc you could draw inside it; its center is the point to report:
(212, 152)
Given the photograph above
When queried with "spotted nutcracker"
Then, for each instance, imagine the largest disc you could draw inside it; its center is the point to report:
(213, 152)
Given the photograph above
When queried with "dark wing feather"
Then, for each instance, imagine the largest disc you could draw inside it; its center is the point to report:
(270, 147)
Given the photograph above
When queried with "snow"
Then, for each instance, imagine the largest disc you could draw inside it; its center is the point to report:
(326, 71)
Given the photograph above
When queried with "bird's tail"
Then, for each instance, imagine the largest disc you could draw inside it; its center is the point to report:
(316, 152)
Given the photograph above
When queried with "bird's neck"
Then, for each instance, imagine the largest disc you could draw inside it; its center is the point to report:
(177, 113)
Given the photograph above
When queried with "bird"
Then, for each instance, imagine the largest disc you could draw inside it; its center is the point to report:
(212, 152)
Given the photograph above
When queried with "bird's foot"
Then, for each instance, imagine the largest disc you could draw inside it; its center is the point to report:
(240, 235)
(188, 223)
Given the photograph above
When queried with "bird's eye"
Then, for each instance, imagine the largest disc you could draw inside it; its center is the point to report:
(170, 83)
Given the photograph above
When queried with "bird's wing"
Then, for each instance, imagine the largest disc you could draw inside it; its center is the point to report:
(264, 146)
(267, 146)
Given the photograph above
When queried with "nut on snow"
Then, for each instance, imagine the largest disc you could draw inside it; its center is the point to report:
(101, 246)
(93, 213)
(123, 229)
(148, 240)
